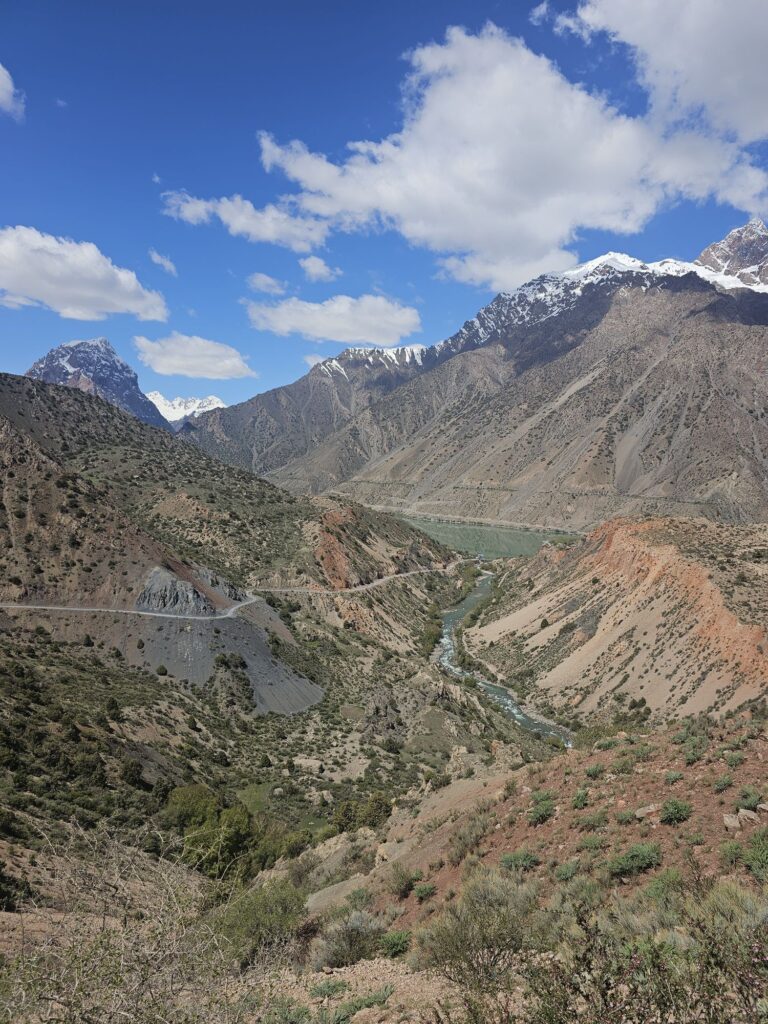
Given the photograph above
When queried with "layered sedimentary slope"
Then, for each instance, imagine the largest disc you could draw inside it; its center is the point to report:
(665, 614)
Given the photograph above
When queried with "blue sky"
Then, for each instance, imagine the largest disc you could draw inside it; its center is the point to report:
(527, 138)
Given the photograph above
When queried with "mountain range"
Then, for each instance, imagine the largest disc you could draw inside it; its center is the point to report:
(616, 387)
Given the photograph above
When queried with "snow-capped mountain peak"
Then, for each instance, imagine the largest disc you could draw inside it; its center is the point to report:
(94, 367)
(741, 255)
(175, 409)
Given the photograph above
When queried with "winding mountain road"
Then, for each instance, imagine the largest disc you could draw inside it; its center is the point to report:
(229, 613)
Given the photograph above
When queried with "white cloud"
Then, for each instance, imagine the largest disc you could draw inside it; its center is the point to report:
(539, 13)
(271, 224)
(61, 104)
(501, 161)
(75, 279)
(697, 58)
(316, 269)
(186, 355)
(156, 179)
(12, 100)
(163, 261)
(264, 283)
(312, 360)
(368, 320)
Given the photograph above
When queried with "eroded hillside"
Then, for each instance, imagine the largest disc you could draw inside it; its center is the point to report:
(667, 615)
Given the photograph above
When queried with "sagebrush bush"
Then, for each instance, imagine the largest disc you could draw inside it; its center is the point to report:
(356, 936)
(260, 917)
(519, 860)
(467, 839)
(674, 812)
(543, 807)
(638, 858)
(402, 880)
(395, 943)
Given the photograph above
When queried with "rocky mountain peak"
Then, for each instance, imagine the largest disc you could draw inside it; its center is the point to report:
(743, 254)
(93, 366)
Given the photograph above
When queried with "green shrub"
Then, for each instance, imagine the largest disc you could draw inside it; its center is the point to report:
(519, 860)
(594, 771)
(625, 817)
(674, 812)
(580, 799)
(638, 858)
(467, 839)
(731, 853)
(666, 887)
(593, 822)
(749, 798)
(190, 806)
(347, 941)
(328, 989)
(476, 941)
(543, 807)
(672, 777)
(402, 880)
(260, 917)
(359, 899)
(424, 891)
(756, 855)
(722, 783)
(565, 872)
(396, 943)
(592, 843)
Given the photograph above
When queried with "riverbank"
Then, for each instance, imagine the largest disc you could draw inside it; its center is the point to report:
(445, 656)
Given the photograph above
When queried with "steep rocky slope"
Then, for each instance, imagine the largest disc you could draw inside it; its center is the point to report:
(96, 369)
(617, 387)
(100, 511)
(657, 406)
(666, 615)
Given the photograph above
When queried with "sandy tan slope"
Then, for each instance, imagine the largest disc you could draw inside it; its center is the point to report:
(668, 614)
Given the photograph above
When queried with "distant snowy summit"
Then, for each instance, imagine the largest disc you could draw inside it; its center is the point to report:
(178, 410)
(95, 368)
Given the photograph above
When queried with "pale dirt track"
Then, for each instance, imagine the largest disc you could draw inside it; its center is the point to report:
(229, 612)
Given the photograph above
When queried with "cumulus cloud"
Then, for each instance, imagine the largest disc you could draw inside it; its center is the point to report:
(501, 161)
(539, 13)
(367, 320)
(75, 279)
(264, 283)
(273, 223)
(12, 100)
(163, 261)
(316, 269)
(696, 58)
(312, 360)
(186, 355)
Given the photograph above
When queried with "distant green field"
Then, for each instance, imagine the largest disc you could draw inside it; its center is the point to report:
(488, 541)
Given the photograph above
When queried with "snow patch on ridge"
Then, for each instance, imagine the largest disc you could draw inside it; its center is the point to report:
(174, 409)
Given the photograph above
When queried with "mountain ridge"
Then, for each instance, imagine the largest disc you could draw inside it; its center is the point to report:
(361, 421)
